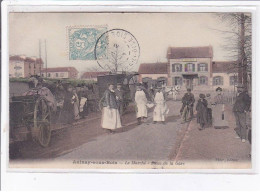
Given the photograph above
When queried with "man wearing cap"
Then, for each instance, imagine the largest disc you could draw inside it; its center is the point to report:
(187, 106)
(241, 106)
(120, 96)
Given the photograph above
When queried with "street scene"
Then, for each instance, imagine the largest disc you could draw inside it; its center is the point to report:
(107, 95)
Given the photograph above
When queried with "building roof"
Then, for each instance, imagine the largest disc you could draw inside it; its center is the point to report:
(26, 59)
(93, 74)
(224, 67)
(189, 52)
(60, 69)
(153, 68)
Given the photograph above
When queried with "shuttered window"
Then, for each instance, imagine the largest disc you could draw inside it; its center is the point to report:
(218, 81)
(189, 67)
(203, 80)
(176, 67)
(202, 67)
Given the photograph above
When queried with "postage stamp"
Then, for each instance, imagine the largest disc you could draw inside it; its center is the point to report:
(82, 42)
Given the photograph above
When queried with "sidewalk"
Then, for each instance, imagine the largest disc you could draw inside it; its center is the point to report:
(214, 147)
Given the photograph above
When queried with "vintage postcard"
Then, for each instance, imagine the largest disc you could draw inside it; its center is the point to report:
(130, 90)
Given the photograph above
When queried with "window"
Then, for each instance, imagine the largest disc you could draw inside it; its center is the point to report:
(233, 80)
(61, 74)
(49, 75)
(203, 80)
(177, 81)
(218, 80)
(189, 67)
(177, 67)
(57, 75)
(202, 67)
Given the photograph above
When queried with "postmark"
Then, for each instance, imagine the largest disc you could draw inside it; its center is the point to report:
(122, 50)
(82, 41)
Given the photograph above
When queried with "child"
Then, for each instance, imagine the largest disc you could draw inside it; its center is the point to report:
(202, 111)
(208, 98)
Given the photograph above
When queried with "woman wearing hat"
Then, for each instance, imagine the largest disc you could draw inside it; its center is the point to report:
(218, 111)
(110, 114)
(202, 111)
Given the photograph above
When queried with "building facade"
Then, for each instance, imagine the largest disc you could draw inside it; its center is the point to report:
(190, 67)
(224, 75)
(92, 76)
(60, 72)
(149, 72)
(22, 66)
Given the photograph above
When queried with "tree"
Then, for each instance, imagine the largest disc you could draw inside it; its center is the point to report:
(239, 43)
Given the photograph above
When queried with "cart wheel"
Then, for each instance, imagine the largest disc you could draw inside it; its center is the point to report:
(100, 104)
(42, 129)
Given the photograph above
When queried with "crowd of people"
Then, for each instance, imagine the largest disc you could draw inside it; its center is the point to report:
(143, 98)
(73, 103)
(210, 111)
(70, 103)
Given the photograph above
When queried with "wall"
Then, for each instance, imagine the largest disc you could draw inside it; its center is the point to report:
(195, 61)
(226, 81)
(53, 74)
(31, 68)
(16, 68)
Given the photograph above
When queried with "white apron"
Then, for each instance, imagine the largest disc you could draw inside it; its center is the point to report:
(218, 112)
(110, 118)
(141, 101)
(161, 109)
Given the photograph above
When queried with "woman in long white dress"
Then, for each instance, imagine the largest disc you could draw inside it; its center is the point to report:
(141, 102)
(218, 110)
(161, 108)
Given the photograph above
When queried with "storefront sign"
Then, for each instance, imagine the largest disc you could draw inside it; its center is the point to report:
(189, 60)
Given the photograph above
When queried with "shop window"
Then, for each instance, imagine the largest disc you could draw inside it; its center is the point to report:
(177, 67)
(189, 67)
(203, 80)
(233, 80)
(217, 80)
(202, 67)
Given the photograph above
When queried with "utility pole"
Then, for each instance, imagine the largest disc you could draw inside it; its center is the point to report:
(40, 57)
(45, 57)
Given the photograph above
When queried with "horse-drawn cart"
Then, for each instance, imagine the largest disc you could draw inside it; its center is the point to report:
(30, 117)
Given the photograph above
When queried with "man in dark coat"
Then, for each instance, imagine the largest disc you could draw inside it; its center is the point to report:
(120, 97)
(187, 106)
(68, 107)
(202, 111)
(241, 106)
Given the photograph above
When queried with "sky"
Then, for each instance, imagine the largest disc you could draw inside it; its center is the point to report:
(155, 32)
